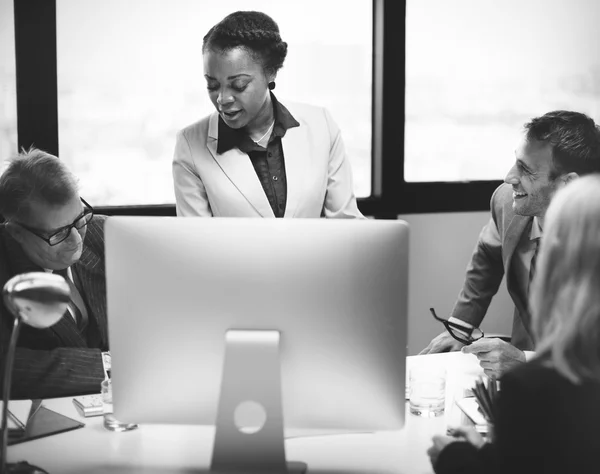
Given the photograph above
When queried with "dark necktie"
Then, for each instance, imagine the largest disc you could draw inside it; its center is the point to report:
(76, 304)
(533, 261)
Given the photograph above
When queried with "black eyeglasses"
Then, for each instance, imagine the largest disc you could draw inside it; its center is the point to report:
(459, 332)
(63, 233)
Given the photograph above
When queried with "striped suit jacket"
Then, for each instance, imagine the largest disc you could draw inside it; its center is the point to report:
(60, 360)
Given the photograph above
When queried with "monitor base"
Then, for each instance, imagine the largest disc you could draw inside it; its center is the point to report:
(295, 467)
(249, 435)
(23, 467)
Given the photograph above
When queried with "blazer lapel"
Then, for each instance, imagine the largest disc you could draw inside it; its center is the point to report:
(65, 329)
(512, 236)
(514, 233)
(237, 167)
(296, 153)
(88, 272)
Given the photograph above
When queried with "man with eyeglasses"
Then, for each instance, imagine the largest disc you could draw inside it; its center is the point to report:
(48, 227)
(555, 148)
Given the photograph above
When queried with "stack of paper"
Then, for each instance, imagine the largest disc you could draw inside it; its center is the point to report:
(470, 407)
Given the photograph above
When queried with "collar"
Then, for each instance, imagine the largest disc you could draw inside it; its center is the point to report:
(536, 229)
(229, 138)
(69, 272)
(18, 261)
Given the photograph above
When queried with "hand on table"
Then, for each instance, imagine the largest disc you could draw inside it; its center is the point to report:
(444, 342)
(439, 443)
(467, 433)
(463, 433)
(495, 355)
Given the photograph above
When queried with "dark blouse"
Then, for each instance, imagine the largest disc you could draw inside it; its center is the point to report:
(545, 424)
(269, 162)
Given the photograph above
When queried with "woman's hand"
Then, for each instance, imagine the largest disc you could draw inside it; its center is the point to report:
(462, 433)
(469, 434)
(439, 443)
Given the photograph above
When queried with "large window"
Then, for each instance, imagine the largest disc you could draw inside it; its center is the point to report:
(130, 75)
(8, 102)
(477, 70)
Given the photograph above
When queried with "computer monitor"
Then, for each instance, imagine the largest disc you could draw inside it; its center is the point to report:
(184, 292)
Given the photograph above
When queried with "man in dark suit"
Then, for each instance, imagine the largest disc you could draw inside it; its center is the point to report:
(555, 149)
(48, 227)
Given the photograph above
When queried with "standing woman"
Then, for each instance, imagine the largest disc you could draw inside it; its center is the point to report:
(254, 157)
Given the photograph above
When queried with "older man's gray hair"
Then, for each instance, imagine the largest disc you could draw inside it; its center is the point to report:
(34, 176)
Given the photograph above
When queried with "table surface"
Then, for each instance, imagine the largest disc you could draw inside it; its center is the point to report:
(169, 449)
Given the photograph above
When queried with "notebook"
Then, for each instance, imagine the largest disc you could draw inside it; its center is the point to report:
(470, 407)
(40, 422)
(18, 411)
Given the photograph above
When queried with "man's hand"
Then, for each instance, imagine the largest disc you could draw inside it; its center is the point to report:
(442, 343)
(495, 355)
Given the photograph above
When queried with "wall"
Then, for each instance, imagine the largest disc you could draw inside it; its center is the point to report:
(440, 249)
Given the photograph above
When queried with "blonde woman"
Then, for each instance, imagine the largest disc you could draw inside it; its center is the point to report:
(549, 409)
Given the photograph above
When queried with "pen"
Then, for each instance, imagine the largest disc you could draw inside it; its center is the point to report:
(484, 400)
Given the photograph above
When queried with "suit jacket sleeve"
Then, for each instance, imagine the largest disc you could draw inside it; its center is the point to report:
(191, 198)
(60, 372)
(340, 201)
(50, 373)
(462, 457)
(484, 272)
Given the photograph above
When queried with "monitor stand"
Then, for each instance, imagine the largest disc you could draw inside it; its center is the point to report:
(249, 436)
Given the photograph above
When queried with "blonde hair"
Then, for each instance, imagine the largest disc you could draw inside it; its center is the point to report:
(565, 294)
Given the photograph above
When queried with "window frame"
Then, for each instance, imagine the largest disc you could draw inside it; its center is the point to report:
(415, 197)
(37, 116)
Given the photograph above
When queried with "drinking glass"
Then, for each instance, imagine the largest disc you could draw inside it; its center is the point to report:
(110, 422)
(427, 390)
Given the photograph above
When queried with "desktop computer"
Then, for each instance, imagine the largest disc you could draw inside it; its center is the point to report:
(258, 327)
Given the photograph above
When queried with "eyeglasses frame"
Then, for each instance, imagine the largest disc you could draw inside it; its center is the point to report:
(450, 325)
(73, 225)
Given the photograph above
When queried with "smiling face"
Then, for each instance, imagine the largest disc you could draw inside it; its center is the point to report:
(530, 177)
(45, 220)
(238, 88)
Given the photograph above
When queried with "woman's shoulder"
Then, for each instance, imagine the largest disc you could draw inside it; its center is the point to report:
(199, 129)
(536, 368)
(313, 116)
(304, 110)
(201, 124)
(302, 106)
(539, 376)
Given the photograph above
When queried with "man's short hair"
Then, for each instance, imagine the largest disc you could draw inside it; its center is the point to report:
(575, 141)
(34, 175)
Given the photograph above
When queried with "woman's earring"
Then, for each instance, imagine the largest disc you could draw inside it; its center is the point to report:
(271, 85)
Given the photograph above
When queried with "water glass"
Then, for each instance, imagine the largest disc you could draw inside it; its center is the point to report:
(427, 391)
(110, 422)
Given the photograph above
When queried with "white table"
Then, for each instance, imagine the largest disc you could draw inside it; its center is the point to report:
(169, 449)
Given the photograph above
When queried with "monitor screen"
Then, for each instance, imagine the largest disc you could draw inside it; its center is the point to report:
(335, 292)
